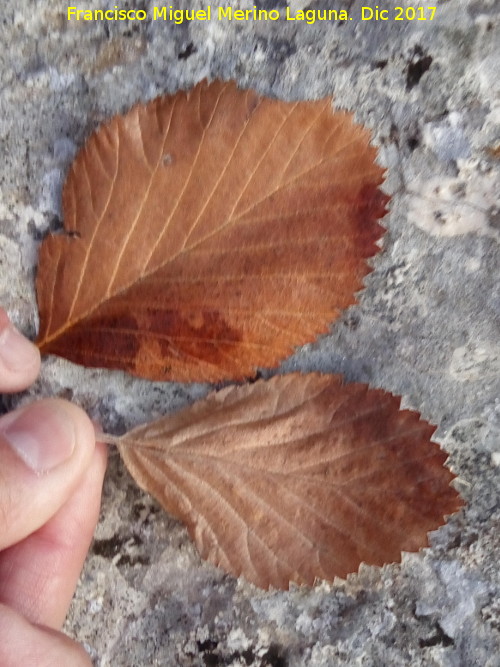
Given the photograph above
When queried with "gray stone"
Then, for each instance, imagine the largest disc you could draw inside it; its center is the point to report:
(426, 327)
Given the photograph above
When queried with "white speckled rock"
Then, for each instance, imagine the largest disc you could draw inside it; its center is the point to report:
(426, 327)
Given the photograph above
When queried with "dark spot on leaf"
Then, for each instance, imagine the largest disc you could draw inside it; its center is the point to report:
(91, 345)
(204, 334)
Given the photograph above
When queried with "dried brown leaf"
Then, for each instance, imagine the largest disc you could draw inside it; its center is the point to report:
(297, 478)
(208, 233)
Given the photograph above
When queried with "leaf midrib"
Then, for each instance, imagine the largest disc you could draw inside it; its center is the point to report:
(229, 222)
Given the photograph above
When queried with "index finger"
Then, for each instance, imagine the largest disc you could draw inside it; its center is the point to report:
(19, 358)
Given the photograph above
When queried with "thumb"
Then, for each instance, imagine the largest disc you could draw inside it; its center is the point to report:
(22, 643)
(45, 449)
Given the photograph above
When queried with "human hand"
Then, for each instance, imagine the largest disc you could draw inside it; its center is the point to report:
(51, 474)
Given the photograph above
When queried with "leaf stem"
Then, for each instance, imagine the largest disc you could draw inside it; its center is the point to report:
(107, 438)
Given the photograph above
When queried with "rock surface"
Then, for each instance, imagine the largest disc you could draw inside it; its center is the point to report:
(426, 326)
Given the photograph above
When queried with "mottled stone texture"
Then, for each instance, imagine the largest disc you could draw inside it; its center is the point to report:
(426, 327)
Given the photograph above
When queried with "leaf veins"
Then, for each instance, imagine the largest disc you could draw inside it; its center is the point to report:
(208, 233)
(297, 478)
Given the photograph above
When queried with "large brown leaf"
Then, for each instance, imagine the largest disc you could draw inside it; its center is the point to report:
(209, 233)
(296, 478)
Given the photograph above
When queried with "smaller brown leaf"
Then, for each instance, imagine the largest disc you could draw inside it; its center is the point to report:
(297, 478)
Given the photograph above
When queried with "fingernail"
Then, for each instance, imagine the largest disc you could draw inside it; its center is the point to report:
(42, 435)
(16, 351)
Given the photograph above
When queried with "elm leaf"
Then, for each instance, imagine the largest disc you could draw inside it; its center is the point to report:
(209, 233)
(297, 478)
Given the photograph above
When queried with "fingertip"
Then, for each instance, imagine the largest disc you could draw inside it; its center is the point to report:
(22, 643)
(19, 357)
(38, 575)
(99, 461)
(102, 450)
(83, 428)
(45, 450)
(48, 434)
